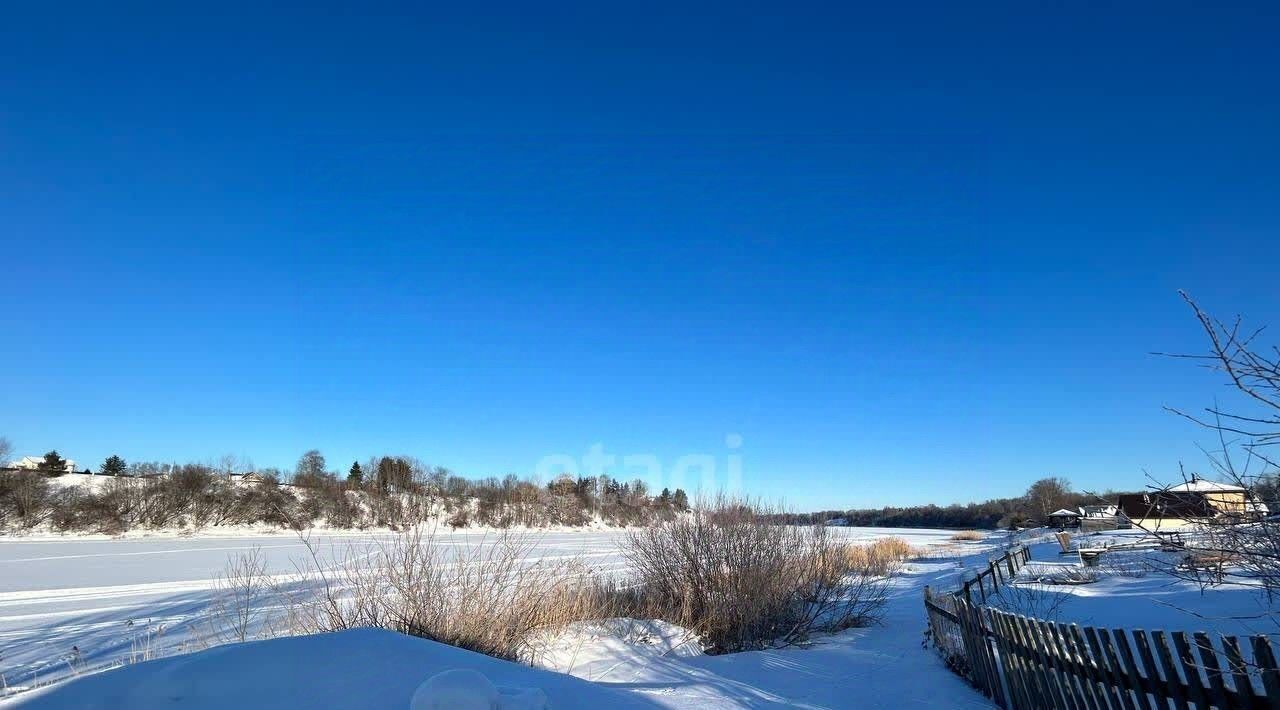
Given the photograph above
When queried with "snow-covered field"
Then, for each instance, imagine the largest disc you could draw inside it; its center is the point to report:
(72, 605)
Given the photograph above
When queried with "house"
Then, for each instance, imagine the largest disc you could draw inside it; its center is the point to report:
(1228, 499)
(1195, 502)
(1099, 511)
(1161, 511)
(1064, 519)
(32, 463)
(244, 478)
(1094, 518)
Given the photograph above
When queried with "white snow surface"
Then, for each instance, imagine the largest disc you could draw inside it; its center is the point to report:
(1131, 592)
(469, 689)
(71, 606)
(363, 668)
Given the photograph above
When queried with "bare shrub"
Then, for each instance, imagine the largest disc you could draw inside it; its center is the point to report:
(460, 518)
(740, 582)
(266, 502)
(116, 508)
(1056, 573)
(154, 503)
(968, 536)
(243, 596)
(212, 503)
(25, 499)
(191, 494)
(184, 487)
(1035, 601)
(66, 505)
(327, 499)
(565, 510)
(387, 509)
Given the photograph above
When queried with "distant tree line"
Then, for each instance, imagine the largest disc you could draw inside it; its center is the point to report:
(386, 491)
(1032, 508)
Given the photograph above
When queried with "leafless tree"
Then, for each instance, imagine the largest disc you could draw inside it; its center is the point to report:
(228, 464)
(6, 450)
(311, 463)
(1254, 371)
(1048, 495)
(1238, 543)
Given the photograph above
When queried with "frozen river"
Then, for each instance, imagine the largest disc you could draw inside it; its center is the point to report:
(67, 602)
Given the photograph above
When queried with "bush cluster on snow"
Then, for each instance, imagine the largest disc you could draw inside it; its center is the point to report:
(24, 499)
(741, 582)
(397, 492)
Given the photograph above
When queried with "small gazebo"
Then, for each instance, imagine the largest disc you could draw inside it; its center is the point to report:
(1064, 518)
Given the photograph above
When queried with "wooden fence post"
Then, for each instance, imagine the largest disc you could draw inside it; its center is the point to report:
(1267, 665)
(1212, 671)
(1235, 661)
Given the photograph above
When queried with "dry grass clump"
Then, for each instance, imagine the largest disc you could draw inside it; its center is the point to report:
(491, 596)
(969, 536)
(942, 551)
(881, 557)
(740, 582)
(725, 572)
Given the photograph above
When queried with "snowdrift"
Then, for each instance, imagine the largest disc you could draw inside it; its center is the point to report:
(363, 668)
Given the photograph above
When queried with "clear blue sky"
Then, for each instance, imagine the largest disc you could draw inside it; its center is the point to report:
(907, 254)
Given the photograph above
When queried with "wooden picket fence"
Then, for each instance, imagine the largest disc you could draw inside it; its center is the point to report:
(1028, 664)
(998, 573)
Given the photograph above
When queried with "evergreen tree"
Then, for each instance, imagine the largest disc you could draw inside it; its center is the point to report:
(356, 476)
(664, 498)
(53, 463)
(680, 499)
(113, 466)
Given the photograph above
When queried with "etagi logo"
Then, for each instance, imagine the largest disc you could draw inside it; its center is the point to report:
(700, 472)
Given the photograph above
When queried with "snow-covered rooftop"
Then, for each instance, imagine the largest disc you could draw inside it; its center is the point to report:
(1064, 511)
(1199, 485)
(31, 463)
